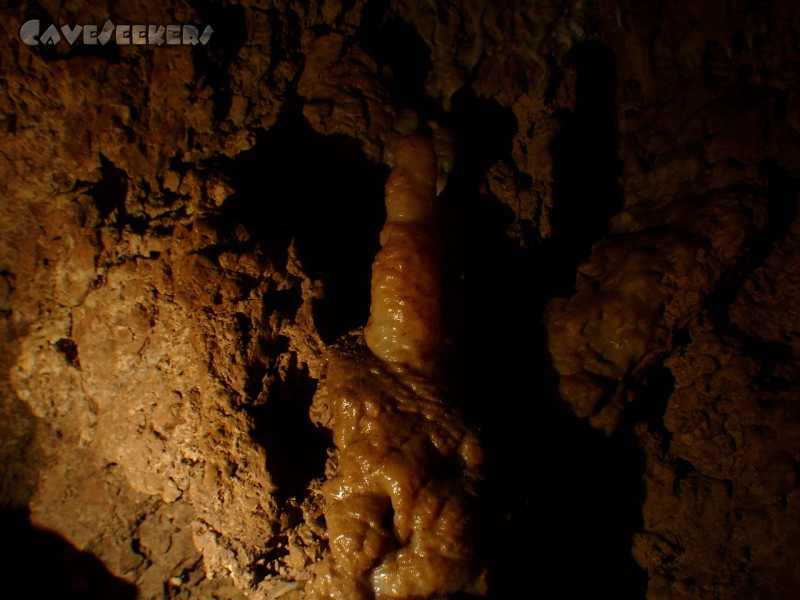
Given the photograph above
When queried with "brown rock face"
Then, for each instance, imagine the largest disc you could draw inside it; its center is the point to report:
(187, 231)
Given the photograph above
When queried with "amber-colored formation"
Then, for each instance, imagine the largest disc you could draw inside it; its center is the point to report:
(405, 316)
(398, 509)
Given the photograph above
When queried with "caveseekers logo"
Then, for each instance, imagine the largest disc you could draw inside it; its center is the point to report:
(123, 35)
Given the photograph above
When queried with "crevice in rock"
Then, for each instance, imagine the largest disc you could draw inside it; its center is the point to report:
(404, 60)
(110, 191)
(274, 555)
(652, 390)
(296, 451)
(285, 44)
(683, 468)
(69, 349)
(321, 192)
(586, 165)
(212, 61)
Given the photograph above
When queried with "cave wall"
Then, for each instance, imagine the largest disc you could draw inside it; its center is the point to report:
(185, 229)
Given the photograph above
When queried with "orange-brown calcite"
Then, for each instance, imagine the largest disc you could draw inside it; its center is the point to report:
(405, 323)
(399, 509)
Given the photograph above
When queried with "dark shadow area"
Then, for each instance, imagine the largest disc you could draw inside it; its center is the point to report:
(780, 198)
(110, 191)
(286, 28)
(109, 195)
(586, 164)
(212, 61)
(562, 500)
(403, 58)
(296, 450)
(474, 224)
(322, 192)
(20, 454)
(652, 390)
(41, 564)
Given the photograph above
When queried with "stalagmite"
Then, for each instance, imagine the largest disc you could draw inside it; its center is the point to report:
(399, 506)
(405, 317)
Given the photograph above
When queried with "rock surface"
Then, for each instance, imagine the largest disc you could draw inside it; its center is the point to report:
(185, 229)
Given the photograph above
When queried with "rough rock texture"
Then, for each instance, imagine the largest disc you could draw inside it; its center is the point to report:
(682, 327)
(183, 230)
